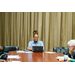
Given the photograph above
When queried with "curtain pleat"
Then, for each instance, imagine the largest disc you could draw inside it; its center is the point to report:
(0, 29)
(55, 28)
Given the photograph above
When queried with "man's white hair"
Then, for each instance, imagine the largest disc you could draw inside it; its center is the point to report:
(71, 43)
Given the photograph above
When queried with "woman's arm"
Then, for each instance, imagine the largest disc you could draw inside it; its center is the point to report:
(29, 46)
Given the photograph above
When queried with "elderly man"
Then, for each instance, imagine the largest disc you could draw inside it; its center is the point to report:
(71, 45)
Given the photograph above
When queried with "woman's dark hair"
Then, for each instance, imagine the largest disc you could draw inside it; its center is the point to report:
(35, 32)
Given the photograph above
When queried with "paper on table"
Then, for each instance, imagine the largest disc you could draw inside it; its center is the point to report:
(15, 61)
(20, 51)
(61, 57)
(29, 52)
(13, 57)
(50, 52)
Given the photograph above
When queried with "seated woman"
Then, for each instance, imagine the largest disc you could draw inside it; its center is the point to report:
(35, 42)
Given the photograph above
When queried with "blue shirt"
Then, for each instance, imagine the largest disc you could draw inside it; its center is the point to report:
(39, 43)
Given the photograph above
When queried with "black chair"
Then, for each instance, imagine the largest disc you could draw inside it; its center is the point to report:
(6, 50)
(63, 50)
(1, 52)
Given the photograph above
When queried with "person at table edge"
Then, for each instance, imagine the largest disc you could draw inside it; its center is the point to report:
(71, 45)
(35, 41)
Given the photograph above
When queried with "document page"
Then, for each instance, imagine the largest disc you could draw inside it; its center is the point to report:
(61, 57)
(13, 57)
(15, 61)
(20, 51)
(50, 52)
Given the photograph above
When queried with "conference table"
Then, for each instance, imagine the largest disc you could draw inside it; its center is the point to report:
(35, 56)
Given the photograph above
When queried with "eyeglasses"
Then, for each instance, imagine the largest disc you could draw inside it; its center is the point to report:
(36, 37)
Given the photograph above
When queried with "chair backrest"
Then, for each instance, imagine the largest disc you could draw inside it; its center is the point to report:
(63, 50)
(10, 48)
(6, 49)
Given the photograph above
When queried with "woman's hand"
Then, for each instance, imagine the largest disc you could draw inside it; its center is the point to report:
(30, 48)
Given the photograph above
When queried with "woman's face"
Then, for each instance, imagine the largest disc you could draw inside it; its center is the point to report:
(35, 37)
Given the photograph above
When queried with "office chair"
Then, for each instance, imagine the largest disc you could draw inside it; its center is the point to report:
(6, 50)
(63, 50)
(1, 52)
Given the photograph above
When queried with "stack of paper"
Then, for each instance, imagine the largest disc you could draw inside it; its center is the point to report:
(13, 57)
(61, 58)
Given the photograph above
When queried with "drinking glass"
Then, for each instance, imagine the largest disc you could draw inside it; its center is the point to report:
(65, 58)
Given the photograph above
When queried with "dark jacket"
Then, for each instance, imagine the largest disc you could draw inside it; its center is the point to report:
(72, 56)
